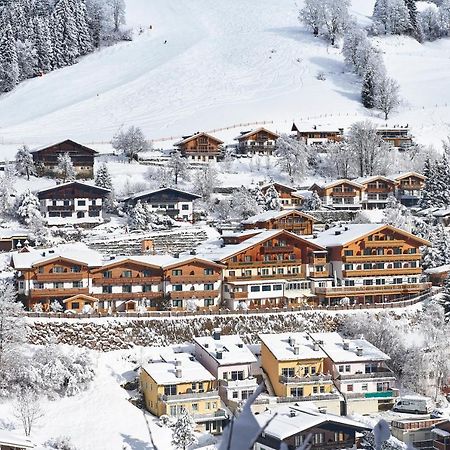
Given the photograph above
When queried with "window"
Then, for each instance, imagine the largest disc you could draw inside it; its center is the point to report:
(235, 394)
(126, 289)
(184, 207)
(177, 303)
(208, 272)
(39, 285)
(127, 274)
(266, 288)
(296, 392)
(208, 302)
(288, 372)
(255, 288)
(77, 284)
(208, 286)
(147, 288)
(58, 269)
(322, 389)
(367, 282)
(315, 389)
(75, 305)
(349, 387)
(265, 272)
(107, 289)
(364, 387)
(313, 370)
(81, 202)
(146, 273)
(380, 281)
(58, 285)
(107, 274)
(170, 389)
(177, 272)
(348, 252)
(41, 269)
(246, 394)
(177, 287)
(341, 368)
(237, 375)
(347, 368)
(277, 287)
(75, 269)
(248, 258)
(319, 438)
(173, 410)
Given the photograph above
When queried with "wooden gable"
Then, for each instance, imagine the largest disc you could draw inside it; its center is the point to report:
(261, 134)
(73, 190)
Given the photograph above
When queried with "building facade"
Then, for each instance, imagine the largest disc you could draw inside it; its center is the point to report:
(318, 135)
(294, 221)
(410, 187)
(288, 196)
(376, 191)
(259, 141)
(200, 147)
(340, 194)
(398, 137)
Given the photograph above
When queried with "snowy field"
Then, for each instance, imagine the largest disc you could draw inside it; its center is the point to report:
(224, 63)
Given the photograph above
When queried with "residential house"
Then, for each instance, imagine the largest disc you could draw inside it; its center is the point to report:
(438, 275)
(200, 147)
(178, 205)
(318, 135)
(73, 203)
(274, 268)
(232, 364)
(441, 436)
(259, 141)
(295, 426)
(177, 381)
(54, 274)
(340, 194)
(294, 221)
(371, 263)
(289, 197)
(398, 137)
(376, 191)
(360, 373)
(14, 239)
(415, 432)
(12, 441)
(296, 369)
(46, 158)
(410, 186)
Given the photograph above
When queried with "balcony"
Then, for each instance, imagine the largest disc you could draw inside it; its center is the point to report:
(319, 261)
(382, 258)
(180, 295)
(343, 194)
(189, 395)
(219, 414)
(310, 379)
(238, 295)
(191, 279)
(279, 249)
(309, 398)
(382, 373)
(234, 384)
(128, 295)
(260, 263)
(275, 276)
(65, 276)
(62, 292)
(391, 393)
(69, 208)
(126, 280)
(382, 272)
(323, 274)
(390, 243)
(367, 290)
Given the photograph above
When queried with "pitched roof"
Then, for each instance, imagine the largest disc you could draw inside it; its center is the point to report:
(366, 180)
(247, 134)
(401, 175)
(139, 195)
(268, 215)
(187, 139)
(45, 147)
(78, 184)
(8, 438)
(336, 183)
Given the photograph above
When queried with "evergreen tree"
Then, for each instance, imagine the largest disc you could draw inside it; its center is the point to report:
(429, 190)
(103, 178)
(43, 45)
(413, 20)
(272, 199)
(137, 217)
(445, 299)
(183, 431)
(26, 59)
(25, 162)
(28, 207)
(397, 215)
(312, 203)
(9, 66)
(258, 196)
(65, 167)
(85, 44)
(368, 90)
(442, 181)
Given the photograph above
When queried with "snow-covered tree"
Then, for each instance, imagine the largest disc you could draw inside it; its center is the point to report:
(43, 45)
(103, 178)
(340, 160)
(24, 162)
(130, 143)
(117, 8)
(56, 307)
(386, 97)
(26, 59)
(397, 215)
(65, 168)
(179, 166)
(27, 409)
(445, 299)
(137, 217)
(183, 434)
(7, 189)
(335, 18)
(416, 28)
(312, 203)
(28, 207)
(312, 15)
(9, 65)
(393, 16)
(205, 180)
(272, 199)
(244, 204)
(354, 38)
(258, 196)
(430, 24)
(292, 157)
(373, 70)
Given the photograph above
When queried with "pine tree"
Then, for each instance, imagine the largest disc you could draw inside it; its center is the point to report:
(137, 217)
(65, 37)
(9, 66)
(65, 167)
(445, 299)
(442, 182)
(368, 90)
(312, 203)
(272, 199)
(415, 25)
(26, 59)
(429, 191)
(183, 431)
(397, 215)
(103, 178)
(179, 167)
(85, 44)
(28, 207)
(43, 45)
(25, 162)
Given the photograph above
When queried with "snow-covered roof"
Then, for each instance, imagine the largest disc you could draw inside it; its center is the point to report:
(164, 372)
(72, 183)
(246, 134)
(275, 183)
(333, 346)
(268, 215)
(43, 147)
(195, 135)
(341, 235)
(78, 252)
(8, 233)
(338, 182)
(399, 176)
(288, 421)
(141, 194)
(441, 269)
(366, 180)
(283, 345)
(7, 438)
(231, 347)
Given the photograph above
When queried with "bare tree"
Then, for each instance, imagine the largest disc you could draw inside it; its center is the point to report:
(117, 8)
(27, 409)
(130, 143)
(386, 96)
(179, 167)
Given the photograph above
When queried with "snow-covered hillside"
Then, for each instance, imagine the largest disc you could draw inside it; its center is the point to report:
(223, 63)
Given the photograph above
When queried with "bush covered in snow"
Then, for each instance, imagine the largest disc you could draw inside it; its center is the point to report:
(60, 443)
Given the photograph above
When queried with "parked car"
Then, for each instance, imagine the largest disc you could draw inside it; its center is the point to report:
(413, 404)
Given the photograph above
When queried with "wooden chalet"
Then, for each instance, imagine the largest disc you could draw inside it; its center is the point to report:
(289, 197)
(73, 203)
(294, 221)
(259, 141)
(340, 194)
(410, 186)
(11, 240)
(398, 137)
(316, 135)
(169, 201)
(200, 147)
(376, 191)
(46, 158)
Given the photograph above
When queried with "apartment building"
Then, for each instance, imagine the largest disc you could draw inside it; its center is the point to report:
(416, 432)
(177, 381)
(376, 191)
(397, 137)
(200, 147)
(295, 366)
(294, 221)
(317, 135)
(289, 197)
(441, 436)
(259, 141)
(340, 194)
(371, 263)
(410, 186)
(232, 364)
(359, 371)
(274, 268)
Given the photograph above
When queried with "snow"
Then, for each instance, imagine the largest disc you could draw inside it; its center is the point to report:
(267, 215)
(8, 438)
(345, 234)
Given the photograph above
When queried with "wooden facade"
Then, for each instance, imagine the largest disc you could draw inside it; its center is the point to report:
(398, 137)
(259, 141)
(294, 221)
(46, 159)
(376, 191)
(317, 136)
(410, 186)
(340, 194)
(200, 147)
(288, 196)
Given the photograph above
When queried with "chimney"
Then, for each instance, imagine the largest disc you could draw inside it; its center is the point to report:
(292, 413)
(178, 371)
(218, 354)
(346, 345)
(316, 346)
(193, 252)
(359, 351)
(322, 409)
(176, 255)
(216, 334)
(291, 341)
(206, 345)
(240, 345)
(296, 350)
(337, 232)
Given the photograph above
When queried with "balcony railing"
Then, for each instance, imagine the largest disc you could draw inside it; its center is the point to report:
(126, 280)
(378, 394)
(247, 383)
(310, 379)
(390, 243)
(366, 290)
(189, 395)
(343, 194)
(180, 295)
(279, 249)
(193, 279)
(364, 376)
(381, 258)
(382, 272)
(62, 292)
(309, 398)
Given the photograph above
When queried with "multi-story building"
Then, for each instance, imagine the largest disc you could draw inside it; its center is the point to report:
(232, 364)
(416, 432)
(318, 135)
(54, 274)
(359, 371)
(177, 381)
(259, 141)
(200, 147)
(273, 268)
(178, 205)
(295, 366)
(376, 191)
(294, 221)
(289, 197)
(46, 158)
(340, 194)
(441, 436)
(295, 426)
(398, 137)
(73, 203)
(410, 186)
(371, 263)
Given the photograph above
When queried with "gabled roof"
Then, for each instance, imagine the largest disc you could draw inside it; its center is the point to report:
(39, 149)
(274, 183)
(366, 180)
(402, 175)
(187, 139)
(153, 262)
(247, 134)
(76, 184)
(8, 438)
(269, 215)
(182, 260)
(183, 194)
(336, 183)
(346, 234)
(86, 298)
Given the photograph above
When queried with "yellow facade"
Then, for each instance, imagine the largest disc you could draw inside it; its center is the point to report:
(282, 388)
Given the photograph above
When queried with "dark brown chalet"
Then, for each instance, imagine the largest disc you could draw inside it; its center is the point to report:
(257, 141)
(46, 158)
(200, 147)
(72, 202)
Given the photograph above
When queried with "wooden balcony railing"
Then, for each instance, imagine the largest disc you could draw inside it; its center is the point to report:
(280, 249)
(62, 292)
(382, 258)
(193, 279)
(390, 243)
(382, 272)
(180, 295)
(126, 280)
(369, 290)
